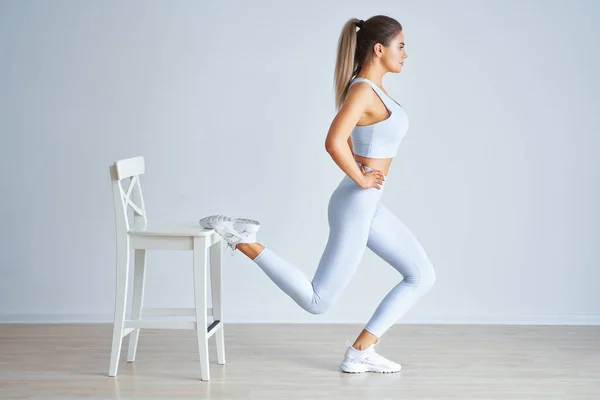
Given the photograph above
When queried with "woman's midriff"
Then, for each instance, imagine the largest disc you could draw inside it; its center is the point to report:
(380, 164)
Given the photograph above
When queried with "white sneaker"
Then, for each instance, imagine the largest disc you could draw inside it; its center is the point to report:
(367, 360)
(233, 230)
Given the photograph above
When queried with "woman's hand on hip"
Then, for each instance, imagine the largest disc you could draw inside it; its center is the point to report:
(373, 178)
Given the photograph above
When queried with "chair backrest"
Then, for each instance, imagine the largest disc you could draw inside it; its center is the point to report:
(128, 169)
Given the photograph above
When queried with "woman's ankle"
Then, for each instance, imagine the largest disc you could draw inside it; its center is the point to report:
(364, 340)
(252, 250)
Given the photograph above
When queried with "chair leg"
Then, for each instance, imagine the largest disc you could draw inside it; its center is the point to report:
(200, 295)
(120, 304)
(139, 274)
(217, 304)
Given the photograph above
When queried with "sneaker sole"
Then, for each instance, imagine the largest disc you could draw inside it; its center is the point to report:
(218, 222)
(359, 368)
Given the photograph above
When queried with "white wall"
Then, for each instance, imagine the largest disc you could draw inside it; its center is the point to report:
(230, 104)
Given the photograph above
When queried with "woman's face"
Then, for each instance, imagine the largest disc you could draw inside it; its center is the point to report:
(394, 54)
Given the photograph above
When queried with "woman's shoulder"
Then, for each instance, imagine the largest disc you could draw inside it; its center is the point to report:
(359, 90)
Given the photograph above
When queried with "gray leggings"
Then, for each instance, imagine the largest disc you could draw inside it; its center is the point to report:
(357, 220)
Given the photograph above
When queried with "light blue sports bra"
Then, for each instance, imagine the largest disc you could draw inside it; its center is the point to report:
(380, 139)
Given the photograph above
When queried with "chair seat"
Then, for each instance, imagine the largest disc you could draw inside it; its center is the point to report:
(186, 229)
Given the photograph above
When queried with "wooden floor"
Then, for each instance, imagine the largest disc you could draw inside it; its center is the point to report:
(269, 361)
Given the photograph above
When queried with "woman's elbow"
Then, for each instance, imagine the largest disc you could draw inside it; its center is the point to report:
(333, 147)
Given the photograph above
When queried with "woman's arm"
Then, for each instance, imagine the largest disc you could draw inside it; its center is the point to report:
(350, 145)
(338, 142)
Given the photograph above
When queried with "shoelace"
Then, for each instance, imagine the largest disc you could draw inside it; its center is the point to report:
(372, 355)
(231, 249)
(230, 245)
(229, 235)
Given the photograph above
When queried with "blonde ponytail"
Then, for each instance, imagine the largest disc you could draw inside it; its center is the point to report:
(355, 49)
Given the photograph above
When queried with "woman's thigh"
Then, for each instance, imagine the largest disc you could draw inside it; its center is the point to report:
(350, 212)
(393, 241)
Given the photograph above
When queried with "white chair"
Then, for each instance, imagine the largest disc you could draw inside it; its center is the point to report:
(206, 246)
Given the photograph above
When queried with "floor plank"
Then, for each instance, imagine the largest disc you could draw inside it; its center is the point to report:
(287, 361)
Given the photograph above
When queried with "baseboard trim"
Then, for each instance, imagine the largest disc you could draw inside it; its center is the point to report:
(542, 319)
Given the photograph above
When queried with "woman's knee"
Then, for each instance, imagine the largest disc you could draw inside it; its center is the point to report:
(317, 308)
(319, 304)
(428, 277)
(423, 278)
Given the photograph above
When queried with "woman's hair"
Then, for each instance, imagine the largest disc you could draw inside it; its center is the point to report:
(355, 48)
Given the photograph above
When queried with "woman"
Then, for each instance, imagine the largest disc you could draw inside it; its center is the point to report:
(362, 140)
